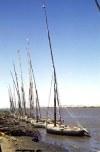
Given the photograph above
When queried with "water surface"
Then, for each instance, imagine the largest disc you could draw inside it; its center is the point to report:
(87, 117)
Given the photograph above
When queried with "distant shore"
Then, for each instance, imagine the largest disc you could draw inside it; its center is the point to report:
(65, 106)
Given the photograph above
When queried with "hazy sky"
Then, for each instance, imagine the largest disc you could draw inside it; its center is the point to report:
(75, 34)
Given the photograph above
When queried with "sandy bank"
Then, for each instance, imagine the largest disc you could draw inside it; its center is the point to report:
(11, 144)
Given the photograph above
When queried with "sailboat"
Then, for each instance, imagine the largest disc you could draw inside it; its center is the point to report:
(55, 127)
(23, 99)
(16, 85)
(35, 113)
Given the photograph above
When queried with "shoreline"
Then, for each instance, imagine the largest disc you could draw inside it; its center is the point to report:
(12, 144)
(18, 135)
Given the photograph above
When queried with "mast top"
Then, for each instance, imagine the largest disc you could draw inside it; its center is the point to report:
(43, 6)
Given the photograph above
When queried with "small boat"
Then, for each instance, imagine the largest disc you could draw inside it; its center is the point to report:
(55, 127)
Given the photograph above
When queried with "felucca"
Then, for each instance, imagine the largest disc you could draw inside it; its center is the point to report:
(35, 113)
(59, 128)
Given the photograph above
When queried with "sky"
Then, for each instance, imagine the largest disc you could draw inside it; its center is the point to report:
(75, 35)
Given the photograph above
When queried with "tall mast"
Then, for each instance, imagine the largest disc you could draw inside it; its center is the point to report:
(31, 94)
(31, 98)
(97, 4)
(14, 97)
(18, 92)
(38, 113)
(56, 98)
(22, 85)
(12, 107)
(15, 87)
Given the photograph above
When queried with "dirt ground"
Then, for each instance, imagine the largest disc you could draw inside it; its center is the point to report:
(17, 136)
(13, 144)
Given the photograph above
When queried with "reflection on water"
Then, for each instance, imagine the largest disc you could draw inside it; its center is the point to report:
(89, 118)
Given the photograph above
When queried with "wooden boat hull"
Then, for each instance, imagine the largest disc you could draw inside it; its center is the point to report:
(67, 131)
(39, 125)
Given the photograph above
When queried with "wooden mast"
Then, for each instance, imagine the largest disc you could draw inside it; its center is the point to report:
(14, 97)
(17, 89)
(38, 113)
(22, 86)
(56, 98)
(31, 94)
(97, 4)
(11, 99)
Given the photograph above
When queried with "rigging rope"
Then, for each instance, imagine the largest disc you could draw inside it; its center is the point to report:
(49, 98)
(74, 117)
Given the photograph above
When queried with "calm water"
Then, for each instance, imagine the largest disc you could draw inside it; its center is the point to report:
(87, 117)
